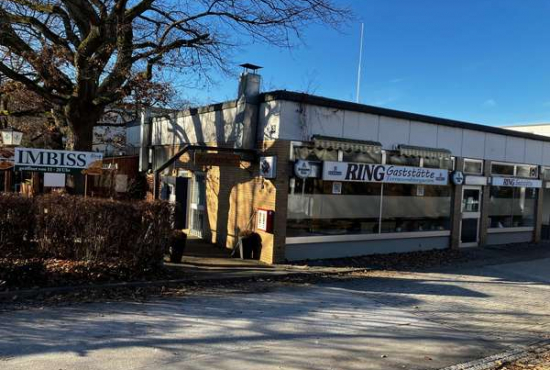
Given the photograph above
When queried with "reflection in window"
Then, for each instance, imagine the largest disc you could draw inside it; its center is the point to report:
(512, 207)
(526, 171)
(362, 157)
(315, 154)
(445, 163)
(502, 169)
(473, 167)
(415, 208)
(401, 160)
(314, 210)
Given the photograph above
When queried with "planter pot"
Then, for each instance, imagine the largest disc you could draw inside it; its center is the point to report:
(252, 246)
(177, 247)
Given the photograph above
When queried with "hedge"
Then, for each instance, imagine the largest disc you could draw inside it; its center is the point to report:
(16, 225)
(85, 229)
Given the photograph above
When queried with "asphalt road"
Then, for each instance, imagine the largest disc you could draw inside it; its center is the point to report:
(391, 321)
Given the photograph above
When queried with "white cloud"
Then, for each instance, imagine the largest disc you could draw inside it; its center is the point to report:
(490, 103)
(396, 80)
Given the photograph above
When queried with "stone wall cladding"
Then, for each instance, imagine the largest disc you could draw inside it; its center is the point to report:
(233, 195)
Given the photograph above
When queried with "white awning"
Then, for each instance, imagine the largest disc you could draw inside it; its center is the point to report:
(347, 145)
(421, 151)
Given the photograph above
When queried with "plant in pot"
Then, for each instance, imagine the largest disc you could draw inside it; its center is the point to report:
(178, 241)
(252, 244)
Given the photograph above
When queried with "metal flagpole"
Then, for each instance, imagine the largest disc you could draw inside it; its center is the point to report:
(358, 87)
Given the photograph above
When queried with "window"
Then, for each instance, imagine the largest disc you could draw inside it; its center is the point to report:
(360, 157)
(314, 210)
(314, 154)
(473, 167)
(518, 170)
(366, 208)
(445, 163)
(527, 171)
(415, 208)
(401, 160)
(512, 207)
(502, 169)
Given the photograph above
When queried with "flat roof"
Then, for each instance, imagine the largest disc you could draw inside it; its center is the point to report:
(526, 125)
(363, 108)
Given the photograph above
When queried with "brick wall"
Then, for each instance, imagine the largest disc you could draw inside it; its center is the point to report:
(233, 194)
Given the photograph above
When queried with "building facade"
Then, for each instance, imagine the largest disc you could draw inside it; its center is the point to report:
(322, 178)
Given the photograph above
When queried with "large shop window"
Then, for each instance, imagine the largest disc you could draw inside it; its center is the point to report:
(512, 207)
(314, 210)
(415, 208)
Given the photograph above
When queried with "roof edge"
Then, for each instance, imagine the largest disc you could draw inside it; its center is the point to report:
(363, 108)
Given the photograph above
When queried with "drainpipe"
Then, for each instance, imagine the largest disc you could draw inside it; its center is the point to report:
(145, 128)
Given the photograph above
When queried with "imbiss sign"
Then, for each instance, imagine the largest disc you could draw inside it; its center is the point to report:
(56, 161)
(361, 172)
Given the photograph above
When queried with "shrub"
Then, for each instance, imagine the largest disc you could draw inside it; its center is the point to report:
(134, 234)
(16, 225)
(101, 230)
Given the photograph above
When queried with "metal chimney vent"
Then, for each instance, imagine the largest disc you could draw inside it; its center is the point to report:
(249, 67)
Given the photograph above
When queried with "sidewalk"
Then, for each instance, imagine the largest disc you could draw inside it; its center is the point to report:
(401, 320)
(197, 269)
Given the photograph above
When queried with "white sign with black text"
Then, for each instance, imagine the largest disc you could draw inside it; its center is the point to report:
(516, 183)
(384, 173)
(55, 161)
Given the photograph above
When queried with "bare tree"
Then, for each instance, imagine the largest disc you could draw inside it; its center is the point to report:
(81, 56)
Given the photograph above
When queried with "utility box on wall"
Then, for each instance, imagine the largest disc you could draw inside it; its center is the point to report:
(264, 220)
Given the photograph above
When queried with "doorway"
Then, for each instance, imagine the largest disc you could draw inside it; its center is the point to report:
(471, 215)
(198, 205)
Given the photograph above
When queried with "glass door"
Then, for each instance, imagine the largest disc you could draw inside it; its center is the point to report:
(471, 214)
(198, 206)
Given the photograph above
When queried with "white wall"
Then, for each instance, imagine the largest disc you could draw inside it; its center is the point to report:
(541, 129)
(293, 121)
(213, 126)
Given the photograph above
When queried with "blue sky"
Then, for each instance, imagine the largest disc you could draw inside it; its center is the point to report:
(483, 61)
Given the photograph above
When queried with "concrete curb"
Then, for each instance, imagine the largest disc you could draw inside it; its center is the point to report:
(206, 277)
(498, 359)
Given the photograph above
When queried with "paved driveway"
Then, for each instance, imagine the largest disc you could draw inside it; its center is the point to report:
(392, 321)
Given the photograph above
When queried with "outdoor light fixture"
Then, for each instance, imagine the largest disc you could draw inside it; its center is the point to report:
(11, 136)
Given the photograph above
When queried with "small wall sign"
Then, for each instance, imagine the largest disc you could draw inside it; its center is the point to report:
(264, 220)
(302, 169)
(516, 182)
(457, 178)
(475, 180)
(268, 167)
(336, 187)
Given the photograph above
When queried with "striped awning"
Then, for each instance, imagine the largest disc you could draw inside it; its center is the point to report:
(6, 153)
(421, 151)
(347, 145)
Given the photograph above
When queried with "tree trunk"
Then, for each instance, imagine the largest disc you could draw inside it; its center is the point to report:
(81, 120)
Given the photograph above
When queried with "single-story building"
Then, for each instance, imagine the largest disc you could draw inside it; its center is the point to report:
(324, 178)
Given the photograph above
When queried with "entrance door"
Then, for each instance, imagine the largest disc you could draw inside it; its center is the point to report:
(198, 205)
(471, 214)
